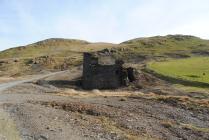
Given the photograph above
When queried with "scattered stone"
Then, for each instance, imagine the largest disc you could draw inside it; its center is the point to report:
(123, 99)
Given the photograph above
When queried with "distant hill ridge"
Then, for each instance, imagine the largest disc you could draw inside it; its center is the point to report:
(52, 41)
(64, 47)
(60, 54)
(175, 37)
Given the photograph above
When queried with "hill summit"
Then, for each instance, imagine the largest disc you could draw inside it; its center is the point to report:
(58, 53)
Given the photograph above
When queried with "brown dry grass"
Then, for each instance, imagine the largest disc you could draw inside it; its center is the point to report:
(168, 123)
(111, 126)
(94, 93)
(195, 128)
(184, 101)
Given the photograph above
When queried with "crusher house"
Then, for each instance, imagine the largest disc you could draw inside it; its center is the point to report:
(104, 73)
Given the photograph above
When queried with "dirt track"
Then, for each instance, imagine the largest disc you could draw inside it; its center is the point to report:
(50, 112)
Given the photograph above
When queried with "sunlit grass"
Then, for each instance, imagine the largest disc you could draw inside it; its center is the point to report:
(192, 69)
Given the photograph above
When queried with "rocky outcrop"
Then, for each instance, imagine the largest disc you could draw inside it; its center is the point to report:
(44, 60)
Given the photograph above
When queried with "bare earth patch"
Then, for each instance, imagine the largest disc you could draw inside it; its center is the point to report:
(46, 111)
(8, 130)
(72, 114)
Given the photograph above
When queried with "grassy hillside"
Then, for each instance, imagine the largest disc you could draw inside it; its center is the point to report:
(174, 46)
(158, 46)
(56, 54)
(50, 54)
(55, 47)
(191, 69)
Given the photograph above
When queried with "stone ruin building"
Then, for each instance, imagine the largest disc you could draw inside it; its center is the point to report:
(104, 72)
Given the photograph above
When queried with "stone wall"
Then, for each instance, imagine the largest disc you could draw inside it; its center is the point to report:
(97, 76)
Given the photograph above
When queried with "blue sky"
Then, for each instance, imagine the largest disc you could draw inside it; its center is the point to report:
(27, 21)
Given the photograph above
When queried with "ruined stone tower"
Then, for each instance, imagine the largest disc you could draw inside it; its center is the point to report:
(102, 73)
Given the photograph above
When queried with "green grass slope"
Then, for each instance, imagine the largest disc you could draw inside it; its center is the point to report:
(56, 47)
(171, 46)
(174, 46)
(56, 53)
(191, 69)
(50, 54)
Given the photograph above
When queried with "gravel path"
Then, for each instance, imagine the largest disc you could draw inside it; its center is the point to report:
(8, 130)
(32, 111)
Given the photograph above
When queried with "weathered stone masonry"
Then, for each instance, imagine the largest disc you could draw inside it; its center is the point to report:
(103, 76)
